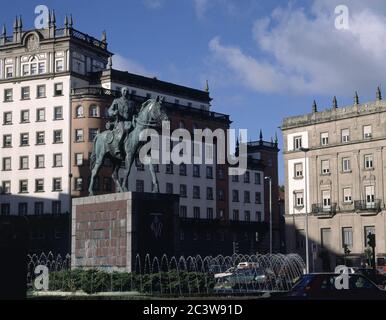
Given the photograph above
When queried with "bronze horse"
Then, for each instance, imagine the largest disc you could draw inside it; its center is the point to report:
(150, 116)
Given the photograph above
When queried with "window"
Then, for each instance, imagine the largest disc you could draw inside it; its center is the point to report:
(79, 112)
(209, 193)
(345, 135)
(25, 93)
(347, 237)
(183, 190)
(368, 230)
(58, 89)
(182, 169)
(247, 216)
(183, 211)
(40, 114)
(5, 209)
(220, 174)
(39, 185)
(9, 71)
(39, 208)
(7, 164)
(235, 178)
(325, 166)
(24, 139)
(236, 215)
(169, 168)
(196, 213)
(93, 111)
(258, 197)
(79, 136)
(196, 170)
(140, 185)
(220, 195)
(57, 160)
(57, 184)
(23, 186)
(6, 187)
(8, 95)
(59, 65)
(368, 161)
(40, 137)
(300, 239)
(39, 161)
(78, 184)
(297, 143)
(259, 216)
(209, 172)
(367, 132)
(7, 118)
(196, 192)
(58, 136)
(56, 207)
(92, 133)
(370, 196)
(7, 141)
(247, 177)
(346, 165)
(235, 195)
(23, 208)
(298, 170)
(58, 113)
(209, 213)
(24, 116)
(41, 91)
(107, 184)
(347, 198)
(326, 198)
(247, 197)
(41, 67)
(169, 188)
(325, 238)
(24, 163)
(257, 178)
(299, 199)
(79, 159)
(324, 138)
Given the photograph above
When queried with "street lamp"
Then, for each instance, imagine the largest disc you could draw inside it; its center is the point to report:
(270, 213)
(305, 150)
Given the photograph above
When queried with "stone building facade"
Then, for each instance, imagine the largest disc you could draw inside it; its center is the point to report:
(335, 170)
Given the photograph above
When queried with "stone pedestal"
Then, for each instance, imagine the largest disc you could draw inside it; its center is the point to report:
(113, 231)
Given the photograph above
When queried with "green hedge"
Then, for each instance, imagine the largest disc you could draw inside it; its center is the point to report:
(93, 281)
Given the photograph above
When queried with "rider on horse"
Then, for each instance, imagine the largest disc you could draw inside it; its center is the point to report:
(123, 111)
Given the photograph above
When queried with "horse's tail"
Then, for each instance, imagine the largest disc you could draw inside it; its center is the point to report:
(93, 155)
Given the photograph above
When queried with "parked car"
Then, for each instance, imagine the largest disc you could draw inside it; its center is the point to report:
(224, 274)
(374, 275)
(322, 286)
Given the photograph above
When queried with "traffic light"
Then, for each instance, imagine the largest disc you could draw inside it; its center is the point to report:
(371, 240)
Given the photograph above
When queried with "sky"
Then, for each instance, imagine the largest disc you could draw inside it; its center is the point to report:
(264, 60)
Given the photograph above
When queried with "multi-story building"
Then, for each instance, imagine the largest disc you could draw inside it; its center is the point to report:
(57, 85)
(335, 172)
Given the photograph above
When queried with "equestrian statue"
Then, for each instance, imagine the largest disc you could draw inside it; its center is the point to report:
(121, 141)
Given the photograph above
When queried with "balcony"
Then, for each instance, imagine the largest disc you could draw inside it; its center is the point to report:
(368, 208)
(323, 211)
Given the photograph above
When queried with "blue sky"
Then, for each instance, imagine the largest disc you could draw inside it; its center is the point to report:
(264, 60)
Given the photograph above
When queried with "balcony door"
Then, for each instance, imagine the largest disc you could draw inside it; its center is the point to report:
(370, 197)
(326, 198)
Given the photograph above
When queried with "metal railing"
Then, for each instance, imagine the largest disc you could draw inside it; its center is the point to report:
(363, 205)
(320, 208)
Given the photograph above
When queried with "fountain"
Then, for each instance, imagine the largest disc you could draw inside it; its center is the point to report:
(176, 276)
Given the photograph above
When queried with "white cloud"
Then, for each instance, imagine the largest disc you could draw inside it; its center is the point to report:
(302, 52)
(127, 64)
(152, 4)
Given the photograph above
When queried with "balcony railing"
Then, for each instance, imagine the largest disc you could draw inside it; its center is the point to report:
(362, 205)
(321, 209)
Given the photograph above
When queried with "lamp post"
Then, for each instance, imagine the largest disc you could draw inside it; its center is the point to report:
(305, 150)
(270, 213)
